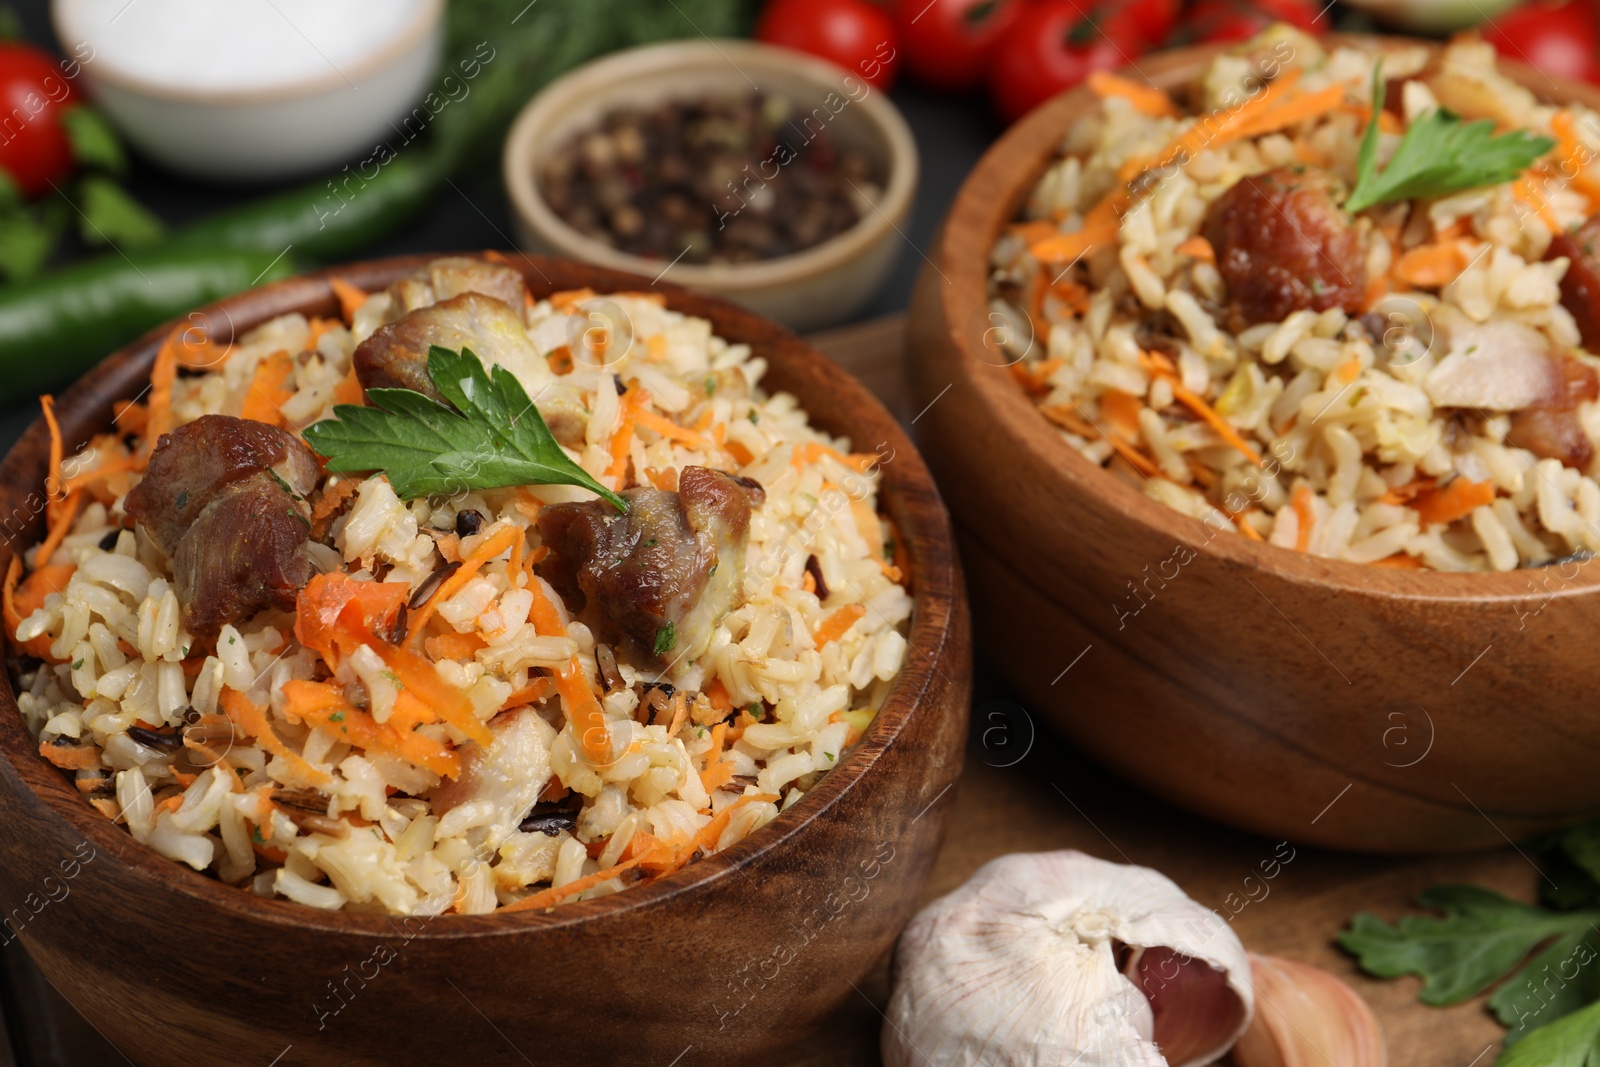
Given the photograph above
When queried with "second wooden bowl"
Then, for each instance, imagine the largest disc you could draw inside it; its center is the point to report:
(732, 957)
(1320, 701)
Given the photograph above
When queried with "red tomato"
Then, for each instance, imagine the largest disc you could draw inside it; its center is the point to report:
(1557, 37)
(1053, 46)
(1154, 18)
(856, 35)
(32, 92)
(949, 42)
(1226, 21)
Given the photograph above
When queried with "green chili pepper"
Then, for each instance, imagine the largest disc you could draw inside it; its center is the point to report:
(56, 327)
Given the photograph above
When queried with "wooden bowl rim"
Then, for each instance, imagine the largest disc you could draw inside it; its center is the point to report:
(930, 547)
(1026, 150)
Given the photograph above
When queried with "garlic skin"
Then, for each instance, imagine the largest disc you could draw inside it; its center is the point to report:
(1307, 1017)
(1019, 967)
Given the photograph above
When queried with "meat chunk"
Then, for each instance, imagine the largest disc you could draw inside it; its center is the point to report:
(1551, 429)
(659, 578)
(1284, 244)
(507, 777)
(451, 276)
(195, 462)
(1580, 286)
(226, 500)
(396, 355)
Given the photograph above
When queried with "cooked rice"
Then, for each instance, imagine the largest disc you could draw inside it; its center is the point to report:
(1349, 447)
(368, 838)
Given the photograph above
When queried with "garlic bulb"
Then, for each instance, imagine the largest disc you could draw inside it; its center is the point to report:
(1053, 958)
(1306, 1017)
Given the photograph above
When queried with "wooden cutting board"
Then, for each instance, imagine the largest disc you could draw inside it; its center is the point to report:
(1024, 790)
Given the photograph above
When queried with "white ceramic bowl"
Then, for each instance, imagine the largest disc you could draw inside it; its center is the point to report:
(259, 127)
(818, 287)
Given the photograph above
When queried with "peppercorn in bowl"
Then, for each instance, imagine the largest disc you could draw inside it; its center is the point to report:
(757, 173)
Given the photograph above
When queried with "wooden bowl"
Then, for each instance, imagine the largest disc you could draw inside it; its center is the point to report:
(1321, 701)
(732, 957)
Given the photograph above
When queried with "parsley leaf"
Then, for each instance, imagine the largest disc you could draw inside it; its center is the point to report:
(92, 140)
(1440, 154)
(1482, 938)
(111, 217)
(1572, 1042)
(666, 637)
(494, 438)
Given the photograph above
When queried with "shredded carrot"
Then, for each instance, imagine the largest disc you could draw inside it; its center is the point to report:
(718, 771)
(130, 417)
(1033, 231)
(269, 389)
(1574, 156)
(1035, 377)
(1197, 404)
(1197, 247)
(547, 898)
(1431, 266)
(630, 404)
(717, 693)
(1301, 500)
(451, 645)
(171, 804)
(60, 523)
(1296, 109)
(1067, 417)
(1348, 371)
(1377, 288)
(559, 360)
(1242, 521)
(330, 606)
(583, 711)
(333, 497)
(1121, 412)
(70, 757)
(162, 376)
(349, 390)
(350, 298)
(1138, 460)
(1146, 99)
(489, 548)
(812, 451)
(53, 488)
(568, 297)
(1404, 494)
(531, 693)
(100, 473)
(1527, 191)
(323, 705)
(252, 719)
(838, 624)
(680, 713)
(1099, 227)
(669, 429)
(1455, 500)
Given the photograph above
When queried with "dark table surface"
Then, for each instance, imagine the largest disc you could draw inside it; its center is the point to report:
(951, 133)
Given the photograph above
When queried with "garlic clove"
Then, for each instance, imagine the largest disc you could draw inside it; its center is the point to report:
(1306, 1017)
(1196, 1014)
(1019, 967)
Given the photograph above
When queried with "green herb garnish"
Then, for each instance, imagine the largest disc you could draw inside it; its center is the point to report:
(494, 438)
(337, 716)
(666, 637)
(1440, 154)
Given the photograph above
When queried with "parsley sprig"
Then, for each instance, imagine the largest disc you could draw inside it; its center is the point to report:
(1440, 154)
(493, 437)
(1544, 960)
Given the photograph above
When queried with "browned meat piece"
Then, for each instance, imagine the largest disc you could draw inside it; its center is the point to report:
(1551, 430)
(661, 576)
(243, 554)
(1580, 286)
(396, 356)
(1283, 244)
(451, 276)
(225, 500)
(454, 275)
(195, 462)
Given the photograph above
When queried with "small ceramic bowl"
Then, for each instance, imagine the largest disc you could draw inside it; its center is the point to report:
(818, 287)
(255, 127)
(1334, 703)
(727, 961)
